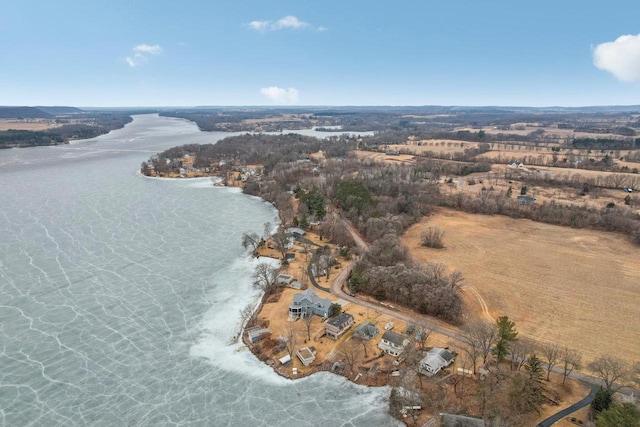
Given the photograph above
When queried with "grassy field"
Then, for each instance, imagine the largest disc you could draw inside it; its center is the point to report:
(578, 288)
(28, 124)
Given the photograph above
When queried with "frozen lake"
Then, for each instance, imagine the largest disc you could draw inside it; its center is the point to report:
(120, 294)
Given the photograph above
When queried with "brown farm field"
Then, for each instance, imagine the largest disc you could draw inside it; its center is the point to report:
(27, 124)
(578, 288)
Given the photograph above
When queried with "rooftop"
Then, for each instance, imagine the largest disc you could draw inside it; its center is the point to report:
(340, 319)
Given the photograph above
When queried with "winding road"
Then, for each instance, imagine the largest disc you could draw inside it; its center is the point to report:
(340, 281)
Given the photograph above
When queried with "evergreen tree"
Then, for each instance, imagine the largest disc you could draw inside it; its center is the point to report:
(506, 335)
(601, 401)
(621, 414)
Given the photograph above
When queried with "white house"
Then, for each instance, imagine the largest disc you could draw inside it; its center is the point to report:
(435, 360)
(306, 355)
(393, 343)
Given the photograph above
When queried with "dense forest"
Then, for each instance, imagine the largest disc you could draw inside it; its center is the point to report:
(90, 125)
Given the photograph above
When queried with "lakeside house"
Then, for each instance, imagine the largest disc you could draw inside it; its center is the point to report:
(366, 331)
(296, 232)
(257, 333)
(393, 343)
(284, 279)
(435, 360)
(307, 303)
(306, 355)
(337, 326)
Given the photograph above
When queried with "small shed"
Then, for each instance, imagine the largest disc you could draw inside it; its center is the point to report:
(284, 359)
(255, 334)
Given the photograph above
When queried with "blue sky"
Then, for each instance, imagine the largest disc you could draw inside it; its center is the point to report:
(350, 52)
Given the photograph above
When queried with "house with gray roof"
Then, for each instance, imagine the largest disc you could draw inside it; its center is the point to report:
(366, 331)
(435, 360)
(307, 303)
(393, 343)
(337, 326)
(257, 333)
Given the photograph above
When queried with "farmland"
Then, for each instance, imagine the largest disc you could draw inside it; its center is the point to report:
(579, 288)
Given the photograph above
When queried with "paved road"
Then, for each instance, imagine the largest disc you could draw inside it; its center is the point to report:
(560, 415)
(340, 281)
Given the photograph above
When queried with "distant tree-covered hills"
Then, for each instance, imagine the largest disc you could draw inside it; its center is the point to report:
(67, 123)
(24, 113)
(58, 110)
(39, 112)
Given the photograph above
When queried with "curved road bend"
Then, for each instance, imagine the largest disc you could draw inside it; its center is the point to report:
(560, 415)
(341, 279)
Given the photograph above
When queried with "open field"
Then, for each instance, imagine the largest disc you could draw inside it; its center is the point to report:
(549, 131)
(382, 157)
(28, 124)
(578, 288)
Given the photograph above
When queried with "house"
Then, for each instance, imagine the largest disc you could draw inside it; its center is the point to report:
(337, 326)
(295, 231)
(290, 257)
(295, 285)
(366, 331)
(284, 279)
(306, 355)
(435, 360)
(526, 200)
(393, 343)
(257, 333)
(307, 303)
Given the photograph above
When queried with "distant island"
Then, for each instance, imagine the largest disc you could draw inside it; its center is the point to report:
(36, 126)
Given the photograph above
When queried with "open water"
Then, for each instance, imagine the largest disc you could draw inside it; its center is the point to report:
(120, 295)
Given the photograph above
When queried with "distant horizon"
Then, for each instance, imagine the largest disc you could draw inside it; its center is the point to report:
(279, 53)
(317, 106)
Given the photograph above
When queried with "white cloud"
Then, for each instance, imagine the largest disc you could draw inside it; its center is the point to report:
(620, 57)
(279, 95)
(288, 22)
(141, 52)
(259, 25)
(151, 49)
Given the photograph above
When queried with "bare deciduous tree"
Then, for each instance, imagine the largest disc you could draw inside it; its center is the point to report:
(267, 231)
(570, 360)
(350, 353)
(432, 237)
(281, 242)
(611, 371)
(363, 342)
(251, 240)
(480, 337)
(520, 350)
(422, 334)
(265, 277)
(307, 320)
(551, 353)
(290, 338)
